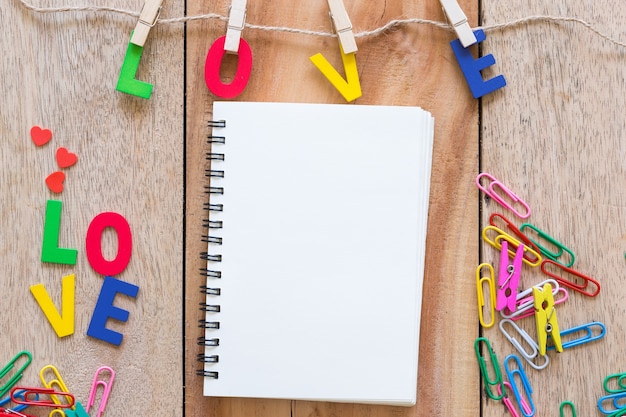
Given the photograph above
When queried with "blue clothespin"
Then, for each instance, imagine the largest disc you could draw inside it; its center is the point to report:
(472, 68)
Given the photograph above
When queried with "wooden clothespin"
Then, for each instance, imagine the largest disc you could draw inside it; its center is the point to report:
(147, 19)
(342, 25)
(236, 23)
(459, 22)
(545, 318)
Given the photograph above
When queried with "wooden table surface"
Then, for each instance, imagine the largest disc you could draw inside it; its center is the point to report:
(553, 135)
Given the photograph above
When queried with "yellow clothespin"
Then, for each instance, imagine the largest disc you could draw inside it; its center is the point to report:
(236, 23)
(342, 25)
(147, 19)
(545, 318)
(459, 22)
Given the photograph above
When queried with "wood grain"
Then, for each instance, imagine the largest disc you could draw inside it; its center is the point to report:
(59, 71)
(554, 135)
(413, 65)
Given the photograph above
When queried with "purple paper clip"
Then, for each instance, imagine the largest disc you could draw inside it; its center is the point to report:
(106, 385)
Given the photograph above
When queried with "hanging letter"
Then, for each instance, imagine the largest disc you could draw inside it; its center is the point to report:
(213, 65)
(63, 324)
(350, 88)
(50, 251)
(472, 68)
(127, 83)
(94, 243)
(105, 310)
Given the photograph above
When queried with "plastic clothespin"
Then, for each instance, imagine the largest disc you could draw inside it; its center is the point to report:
(545, 318)
(342, 25)
(508, 277)
(236, 23)
(106, 385)
(459, 22)
(147, 19)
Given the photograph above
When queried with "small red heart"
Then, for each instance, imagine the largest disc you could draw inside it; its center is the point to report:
(40, 136)
(55, 182)
(65, 158)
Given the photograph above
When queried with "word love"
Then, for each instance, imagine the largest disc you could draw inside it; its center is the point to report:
(63, 322)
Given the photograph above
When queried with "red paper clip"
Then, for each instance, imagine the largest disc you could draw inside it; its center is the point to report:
(513, 229)
(581, 288)
(30, 392)
(7, 412)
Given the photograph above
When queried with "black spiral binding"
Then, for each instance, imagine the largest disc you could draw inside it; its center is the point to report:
(211, 290)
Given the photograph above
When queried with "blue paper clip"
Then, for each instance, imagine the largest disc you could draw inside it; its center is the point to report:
(19, 394)
(587, 337)
(617, 407)
(17, 375)
(526, 385)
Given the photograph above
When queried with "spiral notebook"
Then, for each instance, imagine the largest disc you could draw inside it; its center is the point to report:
(315, 261)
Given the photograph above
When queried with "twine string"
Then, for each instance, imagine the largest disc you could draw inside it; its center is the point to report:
(392, 24)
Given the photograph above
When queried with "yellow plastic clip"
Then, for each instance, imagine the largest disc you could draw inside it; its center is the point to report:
(545, 318)
(58, 381)
(491, 283)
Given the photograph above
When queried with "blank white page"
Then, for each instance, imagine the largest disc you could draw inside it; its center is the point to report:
(324, 217)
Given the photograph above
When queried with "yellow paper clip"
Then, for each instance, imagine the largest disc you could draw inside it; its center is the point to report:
(490, 280)
(533, 260)
(58, 381)
(545, 318)
(147, 19)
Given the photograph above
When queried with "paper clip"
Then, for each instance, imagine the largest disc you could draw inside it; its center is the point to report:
(509, 404)
(533, 260)
(587, 337)
(508, 277)
(620, 381)
(18, 373)
(147, 19)
(236, 24)
(497, 379)
(571, 407)
(106, 385)
(342, 25)
(515, 231)
(615, 400)
(581, 288)
(31, 396)
(18, 408)
(519, 371)
(545, 318)
(58, 382)
(547, 252)
(8, 412)
(459, 22)
(495, 184)
(525, 336)
(490, 280)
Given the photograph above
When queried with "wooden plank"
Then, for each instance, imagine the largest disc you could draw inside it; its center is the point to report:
(59, 71)
(554, 135)
(412, 65)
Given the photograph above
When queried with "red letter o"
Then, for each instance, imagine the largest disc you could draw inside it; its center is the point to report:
(213, 65)
(94, 243)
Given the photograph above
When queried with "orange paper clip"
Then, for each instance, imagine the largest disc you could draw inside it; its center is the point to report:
(502, 195)
(30, 393)
(578, 283)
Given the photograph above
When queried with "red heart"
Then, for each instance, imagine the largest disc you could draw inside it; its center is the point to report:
(65, 158)
(40, 136)
(55, 182)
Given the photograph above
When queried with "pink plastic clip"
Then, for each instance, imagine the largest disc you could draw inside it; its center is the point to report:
(491, 191)
(508, 277)
(105, 385)
(509, 404)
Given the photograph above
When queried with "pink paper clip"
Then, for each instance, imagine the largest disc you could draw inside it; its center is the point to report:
(508, 277)
(509, 404)
(500, 192)
(106, 385)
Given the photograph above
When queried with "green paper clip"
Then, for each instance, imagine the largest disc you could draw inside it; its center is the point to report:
(483, 369)
(18, 374)
(568, 404)
(620, 379)
(545, 251)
